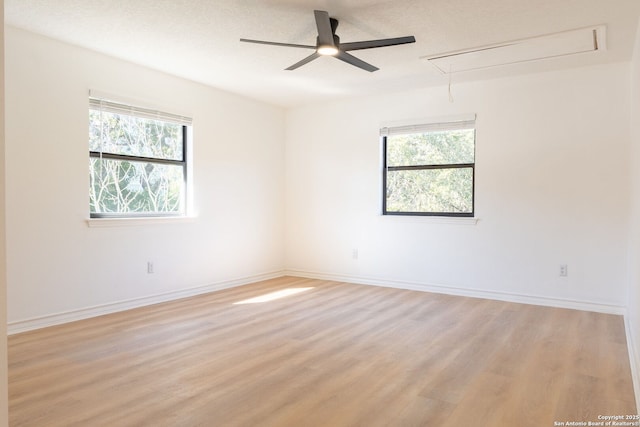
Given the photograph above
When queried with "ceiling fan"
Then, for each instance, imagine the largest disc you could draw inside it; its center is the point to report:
(328, 44)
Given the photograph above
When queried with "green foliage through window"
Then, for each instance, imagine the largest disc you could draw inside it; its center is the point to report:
(430, 172)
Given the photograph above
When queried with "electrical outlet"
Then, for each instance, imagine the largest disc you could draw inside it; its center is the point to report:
(150, 268)
(564, 272)
(354, 253)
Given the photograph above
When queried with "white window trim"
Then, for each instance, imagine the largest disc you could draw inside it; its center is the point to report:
(418, 125)
(430, 219)
(415, 125)
(153, 110)
(136, 222)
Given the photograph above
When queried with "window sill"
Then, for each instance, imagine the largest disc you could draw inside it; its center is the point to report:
(132, 222)
(419, 219)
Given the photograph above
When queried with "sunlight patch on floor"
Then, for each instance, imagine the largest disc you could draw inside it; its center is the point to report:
(273, 295)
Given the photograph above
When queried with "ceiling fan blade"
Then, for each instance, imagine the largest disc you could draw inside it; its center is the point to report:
(325, 34)
(350, 59)
(370, 44)
(278, 44)
(306, 60)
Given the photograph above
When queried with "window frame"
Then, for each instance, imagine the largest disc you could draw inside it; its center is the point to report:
(143, 113)
(432, 126)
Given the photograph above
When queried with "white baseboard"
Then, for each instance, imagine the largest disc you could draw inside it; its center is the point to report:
(474, 293)
(99, 310)
(634, 361)
(85, 313)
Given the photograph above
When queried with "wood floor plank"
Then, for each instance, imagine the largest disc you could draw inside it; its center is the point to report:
(332, 354)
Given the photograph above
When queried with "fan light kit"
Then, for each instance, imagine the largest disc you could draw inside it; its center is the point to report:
(328, 50)
(328, 44)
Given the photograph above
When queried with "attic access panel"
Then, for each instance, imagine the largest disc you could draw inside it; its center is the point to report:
(591, 39)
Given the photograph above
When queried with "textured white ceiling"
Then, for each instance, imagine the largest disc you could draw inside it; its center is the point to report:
(199, 39)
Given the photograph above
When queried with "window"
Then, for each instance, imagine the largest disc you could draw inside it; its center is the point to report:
(429, 169)
(137, 161)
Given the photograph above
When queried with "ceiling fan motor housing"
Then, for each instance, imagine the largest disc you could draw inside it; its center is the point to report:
(336, 41)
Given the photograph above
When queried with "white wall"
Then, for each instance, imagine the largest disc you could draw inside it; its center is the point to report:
(552, 188)
(634, 229)
(4, 400)
(55, 262)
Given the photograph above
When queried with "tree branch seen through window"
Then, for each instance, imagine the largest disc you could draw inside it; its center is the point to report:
(137, 165)
(429, 172)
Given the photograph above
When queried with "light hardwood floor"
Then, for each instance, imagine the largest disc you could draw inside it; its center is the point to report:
(334, 355)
